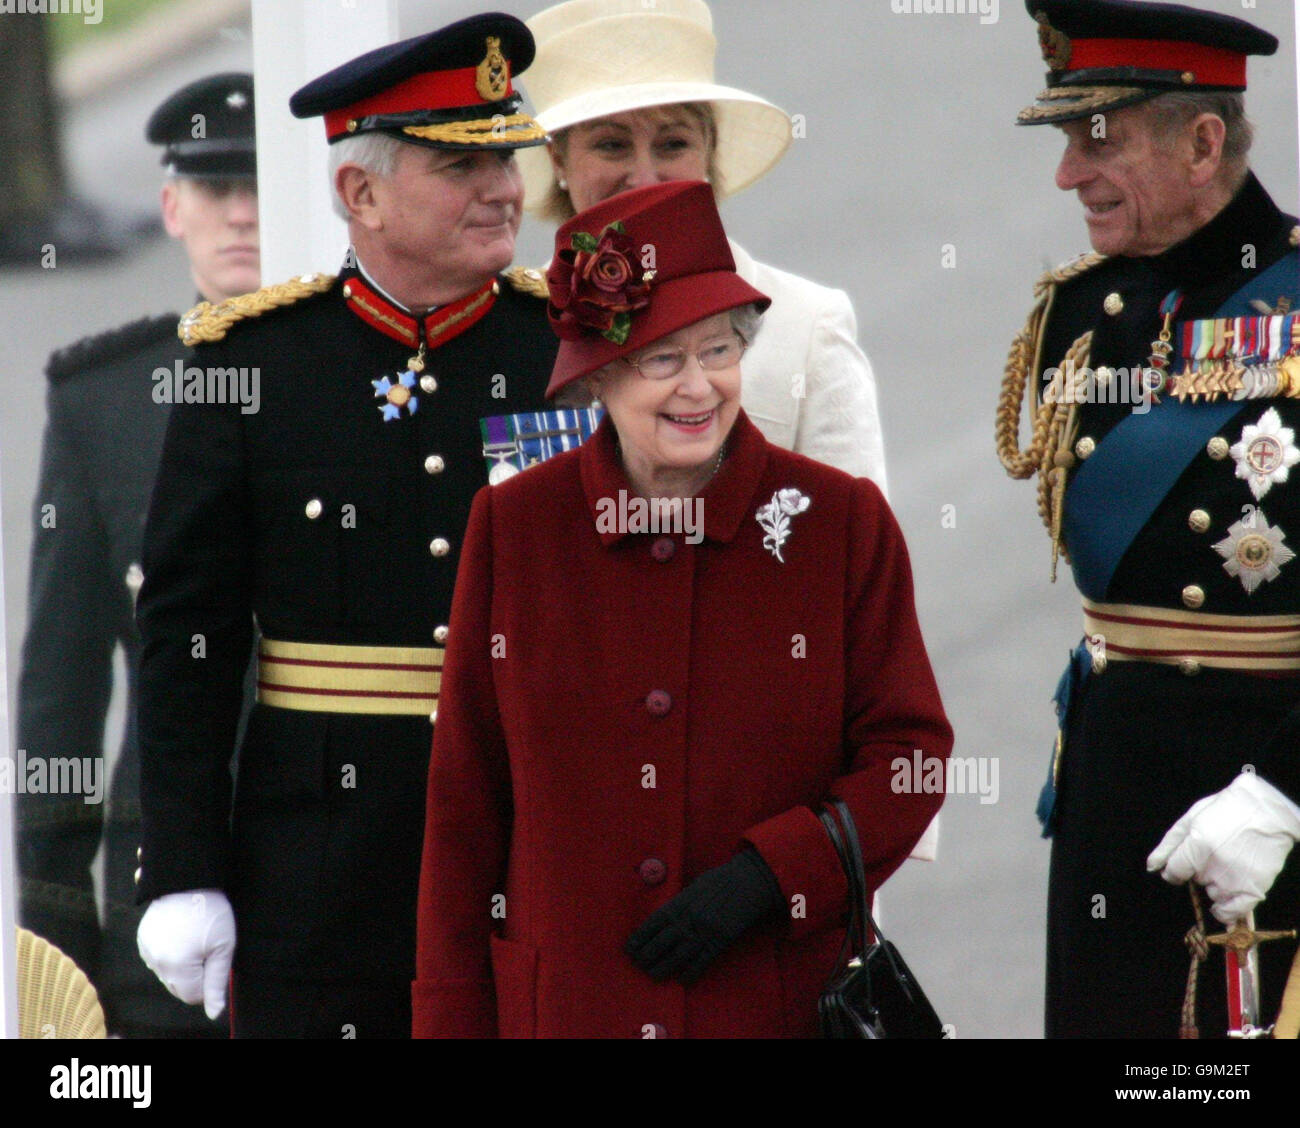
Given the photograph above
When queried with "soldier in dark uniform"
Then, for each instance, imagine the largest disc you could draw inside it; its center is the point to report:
(102, 444)
(332, 516)
(1164, 379)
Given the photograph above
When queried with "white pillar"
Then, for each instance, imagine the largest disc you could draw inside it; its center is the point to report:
(294, 41)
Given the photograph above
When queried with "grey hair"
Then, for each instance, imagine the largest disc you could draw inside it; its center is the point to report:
(1171, 112)
(746, 320)
(377, 153)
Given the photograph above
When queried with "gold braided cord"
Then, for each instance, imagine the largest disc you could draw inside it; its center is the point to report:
(1055, 419)
(483, 131)
(206, 322)
(1081, 99)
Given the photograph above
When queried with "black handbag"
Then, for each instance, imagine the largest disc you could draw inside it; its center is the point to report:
(872, 993)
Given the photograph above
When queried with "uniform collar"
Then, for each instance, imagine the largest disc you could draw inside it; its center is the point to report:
(379, 311)
(1215, 251)
(726, 500)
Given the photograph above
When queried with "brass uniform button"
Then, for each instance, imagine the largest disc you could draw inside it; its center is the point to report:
(1188, 78)
(314, 508)
(1105, 376)
(1198, 521)
(433, 717)
(428, 384)
(434, 464)
(136, 876)
(439, 546)
(1085, 446)
(347, 290)
(1113, 305)
(138, 851)
(1189, 666)
(440, 634)
(1217, 448)
(1193, 596)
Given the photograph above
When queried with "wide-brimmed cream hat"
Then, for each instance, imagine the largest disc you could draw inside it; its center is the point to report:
(601, 57)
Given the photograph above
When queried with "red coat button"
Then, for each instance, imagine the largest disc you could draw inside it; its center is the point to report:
(658, 702)
(663, 549)
(652, 871)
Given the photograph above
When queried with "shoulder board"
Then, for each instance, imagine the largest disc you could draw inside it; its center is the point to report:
(528, 281)
(1072, 268)
(91, 352)
(206, 322)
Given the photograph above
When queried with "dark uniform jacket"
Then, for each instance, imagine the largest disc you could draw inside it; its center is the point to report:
(102, 443)
(1143, 741)
(325, 522)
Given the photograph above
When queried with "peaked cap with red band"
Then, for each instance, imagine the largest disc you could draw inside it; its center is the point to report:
(1105, 54)
(656, 260)
(450, 89)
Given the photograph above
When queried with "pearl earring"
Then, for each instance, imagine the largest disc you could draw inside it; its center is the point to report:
(564, 184)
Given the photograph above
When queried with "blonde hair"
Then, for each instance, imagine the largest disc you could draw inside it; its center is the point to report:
(556, 204)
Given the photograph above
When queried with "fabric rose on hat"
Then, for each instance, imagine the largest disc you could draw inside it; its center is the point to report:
(597, 285)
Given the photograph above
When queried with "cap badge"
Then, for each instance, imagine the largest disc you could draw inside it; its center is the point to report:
(492, 78)
(1055, 44)
(236, 100)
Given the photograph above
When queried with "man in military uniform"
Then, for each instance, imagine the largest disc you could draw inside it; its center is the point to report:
(333, 516)
(102, 444)
(1166, 365)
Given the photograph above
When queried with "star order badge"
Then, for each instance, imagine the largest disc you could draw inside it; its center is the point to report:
(1266, 453)
(1254, 551)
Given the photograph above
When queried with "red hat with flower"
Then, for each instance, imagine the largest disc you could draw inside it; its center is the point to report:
(635, 268)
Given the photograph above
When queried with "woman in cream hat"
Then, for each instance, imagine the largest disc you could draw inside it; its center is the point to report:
(626, 92)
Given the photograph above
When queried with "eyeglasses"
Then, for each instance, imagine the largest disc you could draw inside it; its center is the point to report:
(665, 363)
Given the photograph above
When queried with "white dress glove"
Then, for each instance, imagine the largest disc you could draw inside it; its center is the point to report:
(188, 941)
(1233, 842)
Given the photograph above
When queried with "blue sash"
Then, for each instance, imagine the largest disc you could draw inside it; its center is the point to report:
(1143, 456)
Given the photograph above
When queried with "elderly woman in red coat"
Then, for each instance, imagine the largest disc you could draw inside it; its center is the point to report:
(668, 649)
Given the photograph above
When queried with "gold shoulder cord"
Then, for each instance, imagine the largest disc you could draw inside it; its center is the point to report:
(528, 281)
(1055, 418)
(206, 322)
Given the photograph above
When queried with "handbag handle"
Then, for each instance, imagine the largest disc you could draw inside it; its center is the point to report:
(834, 816)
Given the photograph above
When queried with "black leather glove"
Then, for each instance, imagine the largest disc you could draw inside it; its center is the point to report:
(706, 918)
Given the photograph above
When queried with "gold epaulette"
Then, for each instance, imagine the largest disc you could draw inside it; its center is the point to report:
(528, 281)
(1072, 268)
(206, 322)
